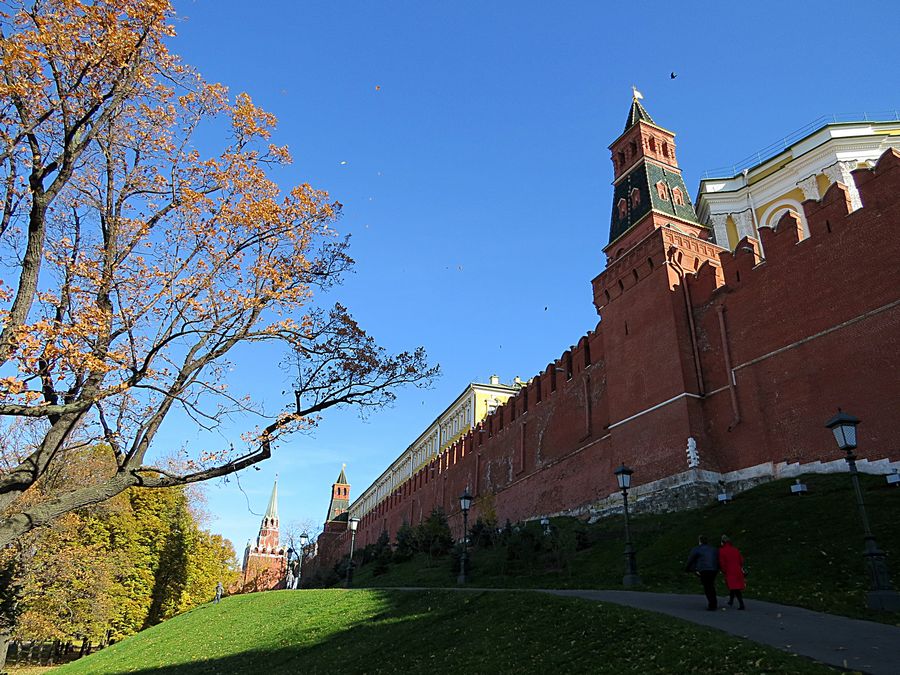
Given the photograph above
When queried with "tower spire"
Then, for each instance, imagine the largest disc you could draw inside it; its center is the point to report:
(340, 499)
(649, 191)
(637, 111)
(272, 508)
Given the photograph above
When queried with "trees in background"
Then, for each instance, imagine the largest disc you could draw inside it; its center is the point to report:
(133, 264)
(107, 571)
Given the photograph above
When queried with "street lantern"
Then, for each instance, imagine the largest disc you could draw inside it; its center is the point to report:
(304, 540)
(843, 426)
(881, 594)
(465, 503)
(623, 476)
(352, 524)
(631, 578)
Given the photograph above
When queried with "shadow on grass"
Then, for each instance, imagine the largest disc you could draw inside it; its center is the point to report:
(444, 632)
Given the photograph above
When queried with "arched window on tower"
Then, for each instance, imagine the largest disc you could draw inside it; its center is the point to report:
(635, 198)
(665, 149)
(677, 197)
(633, 147)
(621, 156)
(662, 190)
(652, 144)
(622, 205)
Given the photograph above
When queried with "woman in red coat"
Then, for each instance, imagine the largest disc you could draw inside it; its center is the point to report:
(731, 562)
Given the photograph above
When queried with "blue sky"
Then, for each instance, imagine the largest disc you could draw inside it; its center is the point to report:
(476, 179)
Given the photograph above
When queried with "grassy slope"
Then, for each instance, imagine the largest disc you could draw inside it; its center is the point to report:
(802, 551)
(438, 631)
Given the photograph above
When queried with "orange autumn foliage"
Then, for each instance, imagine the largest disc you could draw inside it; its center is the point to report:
(143, 262)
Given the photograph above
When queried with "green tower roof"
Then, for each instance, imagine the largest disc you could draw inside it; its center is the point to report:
(637, 113)
(272, 509)
(342, 479)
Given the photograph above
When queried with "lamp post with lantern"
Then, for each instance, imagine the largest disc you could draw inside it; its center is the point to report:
(298, 554)
(465, 503)
(631, 578)
(881, 594)
(352, 524)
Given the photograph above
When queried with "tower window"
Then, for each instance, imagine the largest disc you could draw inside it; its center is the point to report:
(621, 156)
(635, 198)
(633, 147)
(665, 149)
(652, 144)
(623, 208)
(678, 197)
(662, 190)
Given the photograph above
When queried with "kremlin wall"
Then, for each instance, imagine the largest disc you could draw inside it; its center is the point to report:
(712, 366)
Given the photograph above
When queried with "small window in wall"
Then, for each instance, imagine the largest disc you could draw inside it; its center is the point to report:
(633, 147)
(634, 273)
(622, 205)
(652, 143)
(606, 295)
(677, 197)
(621, 156)
(662, 190)
(665, 149)
(635, 198)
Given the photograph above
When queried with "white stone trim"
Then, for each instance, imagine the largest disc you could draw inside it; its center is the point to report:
(810, 187)
(720, 229)
(839, 172)
(772, 215)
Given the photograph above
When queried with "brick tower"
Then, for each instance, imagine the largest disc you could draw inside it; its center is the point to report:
(649, 191)
(649, 339)
(264, 562)
(336, 520)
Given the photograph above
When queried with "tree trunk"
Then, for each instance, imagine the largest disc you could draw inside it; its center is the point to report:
(4, 645)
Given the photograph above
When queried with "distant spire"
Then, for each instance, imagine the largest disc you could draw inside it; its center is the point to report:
(342, 479)
(272, 510)
(637, 111)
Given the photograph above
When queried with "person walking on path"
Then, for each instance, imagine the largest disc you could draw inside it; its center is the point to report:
(704, 561)
(219, 590)
(731, 562)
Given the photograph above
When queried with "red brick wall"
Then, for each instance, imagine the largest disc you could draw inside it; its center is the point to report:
(559, 454)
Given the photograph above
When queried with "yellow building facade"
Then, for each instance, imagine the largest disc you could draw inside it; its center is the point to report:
(759, 191)
(468, 409)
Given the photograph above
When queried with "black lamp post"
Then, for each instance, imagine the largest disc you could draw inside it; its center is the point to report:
(465, 503)
(881, 594)
(353, 523)
(631, 578)
(304, 540)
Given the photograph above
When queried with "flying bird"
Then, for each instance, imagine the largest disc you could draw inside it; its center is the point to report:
(673, 75)
(377, 87)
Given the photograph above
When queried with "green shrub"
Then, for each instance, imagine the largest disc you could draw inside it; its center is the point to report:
(406, 543)
(433, 536)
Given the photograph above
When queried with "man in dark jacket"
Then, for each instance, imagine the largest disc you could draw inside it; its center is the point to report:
(704, 560)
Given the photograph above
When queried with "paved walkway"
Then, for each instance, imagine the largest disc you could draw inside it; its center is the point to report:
(838, 641)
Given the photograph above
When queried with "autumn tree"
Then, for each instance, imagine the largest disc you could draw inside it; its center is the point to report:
(112, 568)
(134, 264)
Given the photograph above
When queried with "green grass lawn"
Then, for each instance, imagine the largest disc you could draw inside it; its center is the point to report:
(370, 631)
(802, 551)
